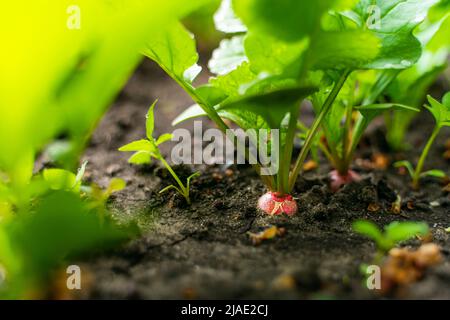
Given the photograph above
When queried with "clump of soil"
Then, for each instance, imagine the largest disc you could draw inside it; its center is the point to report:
(204, 250)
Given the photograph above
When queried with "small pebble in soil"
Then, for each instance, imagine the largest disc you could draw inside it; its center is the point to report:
(373, 207)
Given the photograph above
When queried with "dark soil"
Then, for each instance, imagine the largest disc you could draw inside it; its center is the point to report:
(204, 251)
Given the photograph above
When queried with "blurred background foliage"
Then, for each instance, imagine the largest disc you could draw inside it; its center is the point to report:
(61, 64)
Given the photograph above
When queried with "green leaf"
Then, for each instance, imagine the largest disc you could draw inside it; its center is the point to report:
(150, 122)
(194, 111)
(397, 21)
(271, 55)
(231, 83)
(371, 111)
(226, 20)
(369, 229)
(189, 179)
(412, 84)
(139, 145)
(289, 20)
(174, 49)
(350, 49)
(446, 100)
(141, 157)
(59, 179)
(244, 119)
(402, 231)
(170, 188)
(434, 173)
(164, 138)
(272, 105)
(440, 112)
(228, 56)
(115, 185)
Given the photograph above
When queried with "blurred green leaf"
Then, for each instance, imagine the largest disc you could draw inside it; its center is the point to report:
(164, 138)
(61, 227)
(150, 122)
(394, 21)
(140, 157)
(369, 229)
(59, 179)
(139, 145)
(434, 173)
(290, 20)
(174, 49)
(115, 185)
(440, 111)
(402, 231)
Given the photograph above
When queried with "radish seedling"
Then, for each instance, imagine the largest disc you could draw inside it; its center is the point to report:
(146, 149)
(393, 234)
(276, 58)
(344, 127)
(441, 113)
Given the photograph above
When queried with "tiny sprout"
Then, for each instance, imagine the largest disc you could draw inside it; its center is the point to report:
(146, 149)
(393, 234)
(115, 185)
(441, 114)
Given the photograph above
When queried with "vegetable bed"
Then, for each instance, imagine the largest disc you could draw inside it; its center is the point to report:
(205, 251)
(225, 149)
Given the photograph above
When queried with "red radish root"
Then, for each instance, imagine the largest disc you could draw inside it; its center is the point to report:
(338, 180)
(274, 204)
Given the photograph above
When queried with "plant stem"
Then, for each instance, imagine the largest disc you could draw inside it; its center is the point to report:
(383, 81)
(315, 127)
(285, 162)
(215, 117)
(423, 157)
(358, 131)
(174, 175)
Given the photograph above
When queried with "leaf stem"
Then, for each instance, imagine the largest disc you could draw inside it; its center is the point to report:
(215, 117)
(423, 157)
(287, 154)
(185, 191)
(315, 127)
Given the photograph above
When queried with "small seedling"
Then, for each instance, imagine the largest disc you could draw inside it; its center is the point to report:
(393, 234)
(64, 180)
(99, 196)
(146, 149)
(343, 147)
(441, 113)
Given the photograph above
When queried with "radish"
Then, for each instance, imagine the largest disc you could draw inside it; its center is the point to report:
(275, 204)
(338, 180)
